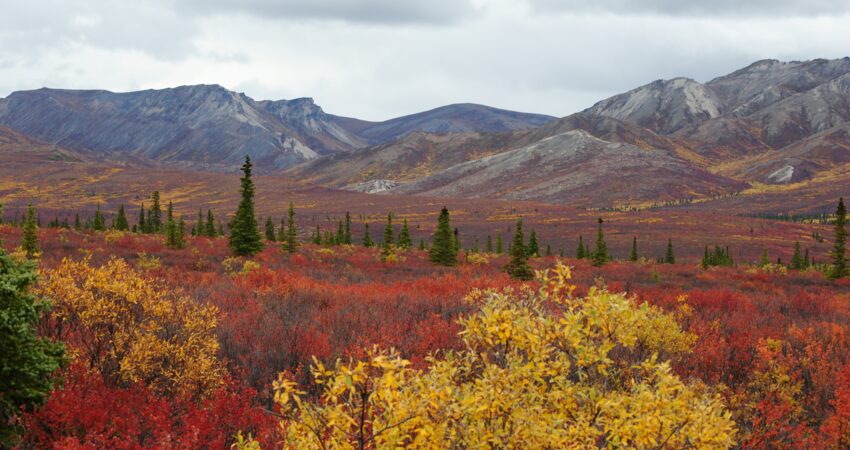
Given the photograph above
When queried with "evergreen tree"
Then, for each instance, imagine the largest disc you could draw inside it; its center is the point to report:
(806, 261)
(421, 244)
(670, 257)
(209, 229)
(143, 223)
(797, 258)
(634, 255)
(489, 248)
(270, 234)
(317, 237)
(600, 255)
(281, 231)
(518, 266)
(200, 227)
(443, 249)
(77, 224)
(839, 261)
(1, 214)
(346, 238)
(387, 246)
(533, 246)
(580, 251)
(367, 238)
(155, 214)
(29, 240)
(181, 233)
(548, 250)
(27, 361)
(499, 246)
(121, 223)
(340, 233)
(457, 240)
(405, 242)
(292, 231)
(171, 233)
(98, 224)
(765, 259)
(245, 238)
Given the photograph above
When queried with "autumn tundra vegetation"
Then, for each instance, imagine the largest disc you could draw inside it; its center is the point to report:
(146, 334)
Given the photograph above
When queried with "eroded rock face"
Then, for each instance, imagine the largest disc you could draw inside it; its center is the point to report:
(210, 127)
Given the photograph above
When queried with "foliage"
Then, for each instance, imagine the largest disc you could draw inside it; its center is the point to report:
(527, 378)
(839, 260)
(669, 256)
(245, 238)
(404, 242)
(443, 251)
(29, 241)
(600, 255)
(129, 330)
(26, 360)
(518, 266)
(121, 223)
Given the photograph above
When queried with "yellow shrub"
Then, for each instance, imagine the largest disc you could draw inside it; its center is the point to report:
(478, 259)
(527, 378)
(130, 329)
(148, 262)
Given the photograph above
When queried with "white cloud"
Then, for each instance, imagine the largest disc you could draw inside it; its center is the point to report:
(499, 52)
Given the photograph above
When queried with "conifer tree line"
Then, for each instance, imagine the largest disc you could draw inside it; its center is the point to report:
(246, 237)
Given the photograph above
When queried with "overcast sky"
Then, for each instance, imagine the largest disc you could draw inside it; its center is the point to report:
(376, 59)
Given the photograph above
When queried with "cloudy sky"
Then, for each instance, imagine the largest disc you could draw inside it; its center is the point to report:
(376, 59)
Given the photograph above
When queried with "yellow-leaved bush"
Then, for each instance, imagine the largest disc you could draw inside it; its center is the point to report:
(540, 369)
(126, 327)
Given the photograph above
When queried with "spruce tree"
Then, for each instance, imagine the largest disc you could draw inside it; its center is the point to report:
(518, 266)
(292, 231)
(533, 246)
(29, 240)
(245, 238)
(317, 237)
(77, 224)
(346, 238)
(270, 234)
(634, 255)
(181, 233)
(421, 244)
(121, 223)
(200, 227)
(500, 248)
(388, 245)
(548, 250)
(1, 214)
(27, 361)
(143, 223)
(489, 247)
(839, 261)
(209, 229)
(443, 251)
(797, 258)
(367, 238)
(405, 242)
(99, 223)
(281, 232)
(155, 214)
(806, 261)
(765, 259)
(600, 255)
(669, 257)
(580, 252)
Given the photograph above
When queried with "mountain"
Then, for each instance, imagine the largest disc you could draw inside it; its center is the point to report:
(459, 118)
(772, 122)
(578, 168)
(210, 127)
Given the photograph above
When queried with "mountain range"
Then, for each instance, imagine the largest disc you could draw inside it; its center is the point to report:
(772, 128)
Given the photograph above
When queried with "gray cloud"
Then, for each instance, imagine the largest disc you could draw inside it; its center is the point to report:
(698, 8)
(358, 11)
